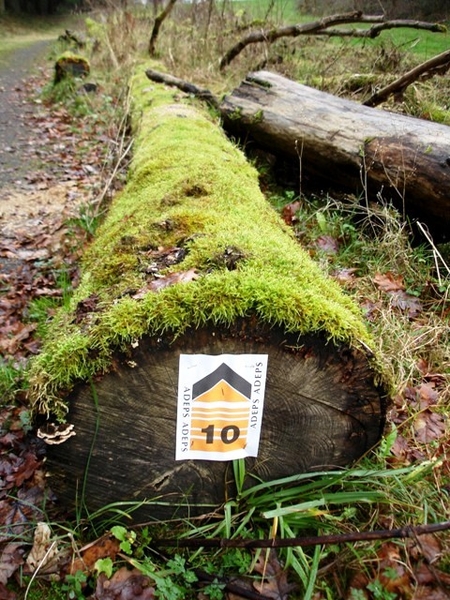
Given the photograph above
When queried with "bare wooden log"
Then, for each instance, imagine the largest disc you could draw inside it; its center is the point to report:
(349, 145)
(191, 260)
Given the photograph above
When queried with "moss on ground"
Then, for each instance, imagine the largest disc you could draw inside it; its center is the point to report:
(190, 193)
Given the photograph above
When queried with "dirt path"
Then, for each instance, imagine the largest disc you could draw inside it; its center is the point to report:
(31, 185)
(14, 135)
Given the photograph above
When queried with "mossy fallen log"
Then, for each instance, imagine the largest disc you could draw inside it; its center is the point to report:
(191, 260)
(70, 64)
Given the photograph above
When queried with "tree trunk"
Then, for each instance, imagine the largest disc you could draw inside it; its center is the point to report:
(342, 143)
(191, 260)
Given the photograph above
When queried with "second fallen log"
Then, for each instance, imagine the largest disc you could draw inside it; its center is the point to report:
(338, 141)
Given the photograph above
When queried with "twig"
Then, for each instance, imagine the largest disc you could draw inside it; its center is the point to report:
(436, 253)
(184, 86)
(437, 65)
(375, 30)
(37, 569)
(382, 534)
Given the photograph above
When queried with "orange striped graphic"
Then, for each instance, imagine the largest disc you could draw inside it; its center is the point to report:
(220, 412)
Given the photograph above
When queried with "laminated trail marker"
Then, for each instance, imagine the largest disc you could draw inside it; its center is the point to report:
(220, 406)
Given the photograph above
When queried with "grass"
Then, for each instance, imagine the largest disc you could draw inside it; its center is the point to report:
(388, 488)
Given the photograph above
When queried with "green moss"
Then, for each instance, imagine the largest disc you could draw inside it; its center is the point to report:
(189, 188)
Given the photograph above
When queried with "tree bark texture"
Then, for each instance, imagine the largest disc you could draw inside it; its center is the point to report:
(322, 411)
(340, 142)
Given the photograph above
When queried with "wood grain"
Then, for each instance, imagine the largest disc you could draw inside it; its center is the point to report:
(322, 410)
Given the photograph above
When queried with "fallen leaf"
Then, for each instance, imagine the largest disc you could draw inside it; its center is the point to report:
(165, 281)
(10, 560)
(6, 594)
(406, 302)
(106, 546)
(124, 585)
(327, 244)
(45, 554)
(289, 212)
(388, 282)
(429, 593)
(346, 276)
(428, 395)
(429, 426)
(427, 545)
(274, 582)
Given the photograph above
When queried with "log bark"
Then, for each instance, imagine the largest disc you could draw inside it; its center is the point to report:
(342, 143)
(191, 259)
(322, 411)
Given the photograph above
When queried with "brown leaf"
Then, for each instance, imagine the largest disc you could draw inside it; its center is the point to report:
(428, 593)
(274, 582)
(406, 302)
(429, 426)
(327, 244)
(104, 547)
(167, 280)
(124, 585)
(10, 560)
(6, 594)
(393, 574)
(388, 282)
(427, 545)
(428, 396)
(346, 276)
(45, 554)
(289, 212)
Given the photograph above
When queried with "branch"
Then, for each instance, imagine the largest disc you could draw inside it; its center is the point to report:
(437, 65)
(184, 86)
(321, 27)
(375, 30)
(382, 534)
(156, 27)
(288, 31)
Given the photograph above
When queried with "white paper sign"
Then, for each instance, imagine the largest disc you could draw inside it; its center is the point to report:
(220, 406)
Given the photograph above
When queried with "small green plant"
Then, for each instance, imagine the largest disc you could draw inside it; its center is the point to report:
(379, 591)
(126, 538)
(74, 585)
(88, 218)
(10, 378)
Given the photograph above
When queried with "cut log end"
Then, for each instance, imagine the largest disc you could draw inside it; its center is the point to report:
(322, 410)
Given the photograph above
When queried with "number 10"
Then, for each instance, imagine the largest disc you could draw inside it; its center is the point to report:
(228, 434)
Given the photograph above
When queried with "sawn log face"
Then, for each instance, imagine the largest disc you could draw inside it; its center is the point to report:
(322, 410)
(348, 145)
